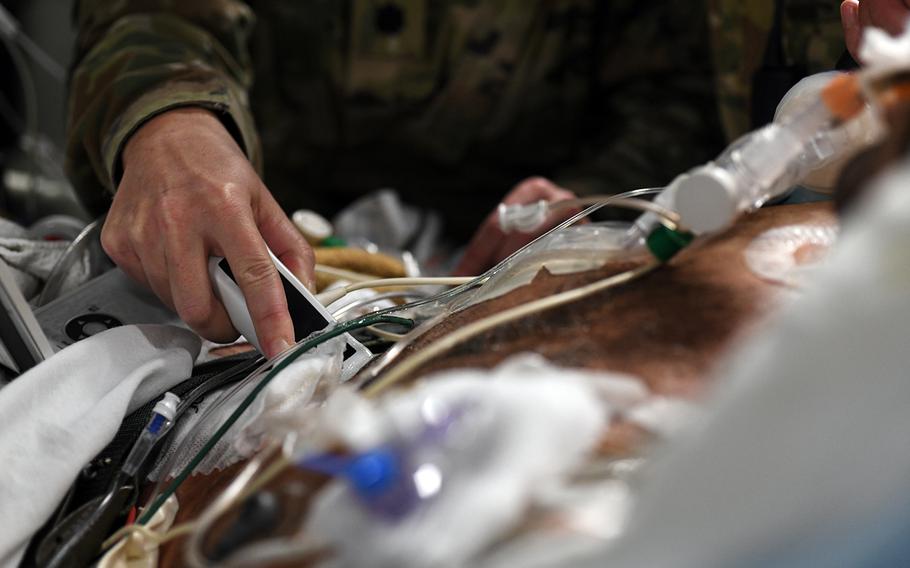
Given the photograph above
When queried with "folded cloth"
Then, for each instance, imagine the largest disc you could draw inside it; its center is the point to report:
(57, 416)
(32, 262)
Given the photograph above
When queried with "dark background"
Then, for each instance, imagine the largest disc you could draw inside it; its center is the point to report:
(48, 24)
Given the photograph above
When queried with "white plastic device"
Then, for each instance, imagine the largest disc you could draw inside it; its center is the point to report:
(307, 314)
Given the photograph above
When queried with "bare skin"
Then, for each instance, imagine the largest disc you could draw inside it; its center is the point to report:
(188, 192)
(857, 15)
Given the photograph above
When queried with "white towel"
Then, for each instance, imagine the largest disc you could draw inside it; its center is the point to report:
(59, 415)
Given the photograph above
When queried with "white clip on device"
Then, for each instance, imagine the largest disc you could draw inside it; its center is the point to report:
(307, 314)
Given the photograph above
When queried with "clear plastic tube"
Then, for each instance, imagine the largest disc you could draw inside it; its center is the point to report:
(160, 422)
(446, 303)
(758, 167)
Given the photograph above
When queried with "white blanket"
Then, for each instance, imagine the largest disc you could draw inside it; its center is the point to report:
(59, 415)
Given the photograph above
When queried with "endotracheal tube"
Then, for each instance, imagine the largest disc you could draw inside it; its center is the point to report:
(757, 168)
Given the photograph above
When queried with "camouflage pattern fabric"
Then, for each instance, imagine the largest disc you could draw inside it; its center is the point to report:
(449, 101)
(812, 37)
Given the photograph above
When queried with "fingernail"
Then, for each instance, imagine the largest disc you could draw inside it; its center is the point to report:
(277, 347)
(849, 13)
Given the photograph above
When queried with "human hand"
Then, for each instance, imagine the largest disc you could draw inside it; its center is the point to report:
(188, 192)
(856, 16)
(490, 244)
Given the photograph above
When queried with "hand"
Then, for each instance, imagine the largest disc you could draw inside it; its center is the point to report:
(856, 16)
(188, 192)
(491, 245)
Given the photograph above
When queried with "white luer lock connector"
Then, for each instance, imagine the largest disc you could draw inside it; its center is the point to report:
(525, 218)
(167, 406)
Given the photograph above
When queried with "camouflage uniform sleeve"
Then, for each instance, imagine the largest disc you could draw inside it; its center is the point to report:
(138, 58)
(655, 88)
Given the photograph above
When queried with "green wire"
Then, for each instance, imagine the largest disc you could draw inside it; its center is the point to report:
(311, 343)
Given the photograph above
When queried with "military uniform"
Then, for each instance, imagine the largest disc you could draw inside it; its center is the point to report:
(449, 101)
(811, 40)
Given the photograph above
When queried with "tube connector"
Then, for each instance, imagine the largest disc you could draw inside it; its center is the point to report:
(521, 217)
(167, 406)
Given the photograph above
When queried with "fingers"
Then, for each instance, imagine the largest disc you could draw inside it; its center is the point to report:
(285, 241)
(849, 16)
(490, 245)
(260, 283)
(191, 289)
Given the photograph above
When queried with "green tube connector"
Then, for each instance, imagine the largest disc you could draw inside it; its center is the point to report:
(664, 243)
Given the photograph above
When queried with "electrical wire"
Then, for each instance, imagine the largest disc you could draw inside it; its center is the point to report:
(277, 366)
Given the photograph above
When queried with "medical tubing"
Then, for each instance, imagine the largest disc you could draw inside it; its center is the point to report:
(161, 488)
(158, 425)
(304, 347)
(457, 291)
(331, 296)
(378, 366)
(399, 295)
(527, 217)
(242, 374)
(447, 342)
(642, 192)
(223, 502)
(344, 274)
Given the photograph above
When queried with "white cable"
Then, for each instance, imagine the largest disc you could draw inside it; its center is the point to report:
(330, 296)
(447, 342)
(342, 274)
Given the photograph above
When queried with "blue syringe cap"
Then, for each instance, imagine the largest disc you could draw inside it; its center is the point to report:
(374, 473)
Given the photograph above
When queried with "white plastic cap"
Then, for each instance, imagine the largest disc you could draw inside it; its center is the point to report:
(167, 406)
(706, 199)
(522, 217)
(314, 227)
